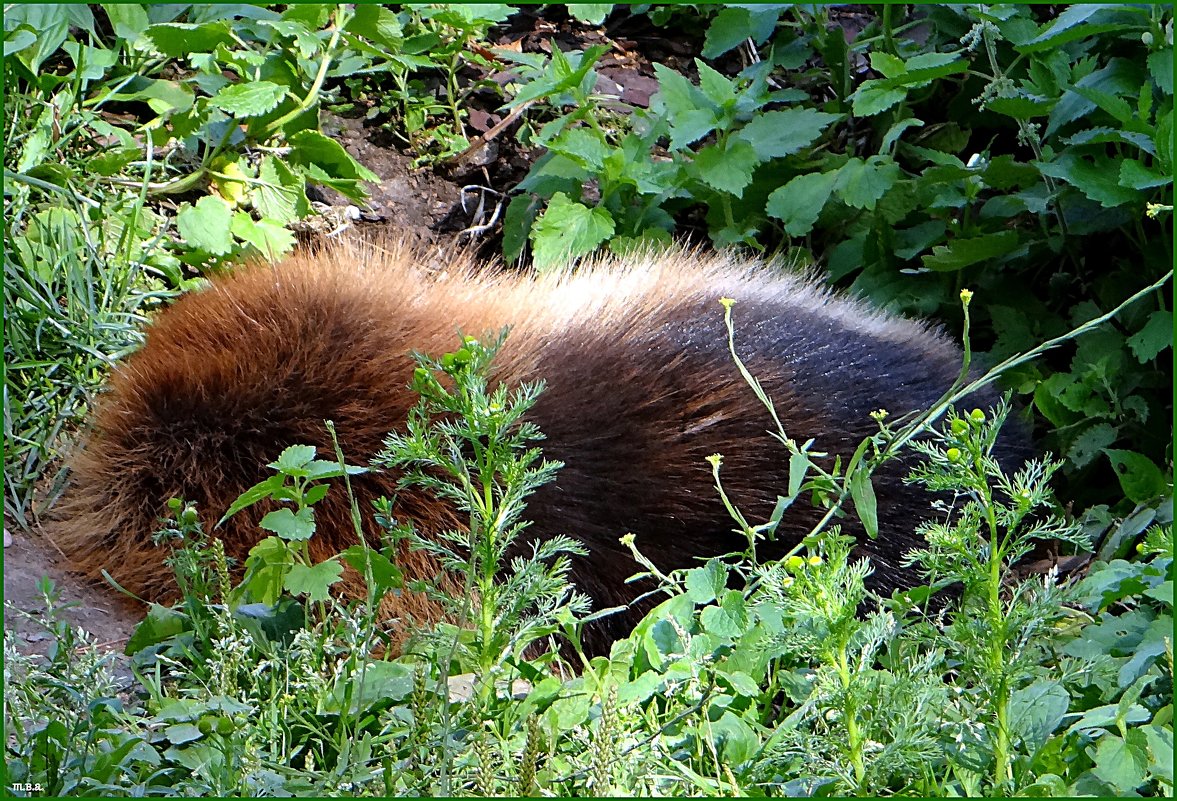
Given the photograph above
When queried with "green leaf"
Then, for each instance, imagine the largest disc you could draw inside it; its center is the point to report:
(961, 253)
(1120, 764)
(180, 39)
(17, 41)
(715, 87)
(861, 183)
(313, 582)
(205, 226)
(1036, 711)
(386, 575)
(775, 134)
(1021, 105)
(568, 230)
(1160, 748)
(270, 238)
(289, 525)
(312, 147)
(259, 491)
(293, 459)
(250, 99)
(863, 495)
(887, 65)
(1073, 23)
(160, 625)
(590, 13)
(875, 96)
(799, 202)
(729, 619)
(376, 23)
(1160, 67)
(265, 570)
(731, 26)
(728, 170)
(375, 683)
(129, 20)
(1091, 443)
(1155, 337)
(1135, 175)
(1139, 476)
(281, 193)
(704, 584)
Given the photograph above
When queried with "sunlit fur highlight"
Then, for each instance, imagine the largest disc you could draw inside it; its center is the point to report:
(640, 390)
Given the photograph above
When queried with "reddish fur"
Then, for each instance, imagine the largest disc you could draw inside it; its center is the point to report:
(641, 389)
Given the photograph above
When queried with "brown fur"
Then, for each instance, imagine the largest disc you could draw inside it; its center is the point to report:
(641, 389)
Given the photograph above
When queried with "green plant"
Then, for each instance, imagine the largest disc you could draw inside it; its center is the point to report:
(1057, 143)
(469, 445)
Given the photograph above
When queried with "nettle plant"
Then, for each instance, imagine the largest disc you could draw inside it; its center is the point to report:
(1028, 158)
(181, 99)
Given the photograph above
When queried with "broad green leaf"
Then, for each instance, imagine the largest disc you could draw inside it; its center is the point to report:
(775, 134)
(272, 240)
(289, 525)
(312, 147)
(861, 183)
(1154, 337)
(265, 570)
(1098, 179)
(1091, 443)
(18, 40)
(728, 170)
(727, 620)
(960, 253)
(374, 683)
(249, 99)
(731, 26)
(386, 575)
(314, 582)
(376, 23)
(1021, 105)
(280, 194)
(691, 126)
(704, 584)
(583, 145)
(1034, 712)
(1160, 747)
(799, 202)
(676, 94)
(1135, 175)
(875, 96)
(887, 65)
(205, 226)
(590, 13)
(1120, 764)
(717, 88)
(568, 230)
(161, 624)
(129, 20)
(1139, 476)
(1075, 22)
(259, 491)
(1160, 67)
(293, 459)
(180, 39)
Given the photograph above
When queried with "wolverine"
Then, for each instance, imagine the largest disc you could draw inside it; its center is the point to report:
(640, 390)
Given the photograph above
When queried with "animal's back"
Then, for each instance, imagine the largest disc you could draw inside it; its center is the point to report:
(640, 390)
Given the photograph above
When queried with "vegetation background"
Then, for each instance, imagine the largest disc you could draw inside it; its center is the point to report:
(1023, 153)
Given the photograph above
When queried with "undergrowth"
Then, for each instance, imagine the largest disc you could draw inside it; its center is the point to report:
(750, 678)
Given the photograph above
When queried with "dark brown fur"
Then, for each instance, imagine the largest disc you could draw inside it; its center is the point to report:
(641, 389)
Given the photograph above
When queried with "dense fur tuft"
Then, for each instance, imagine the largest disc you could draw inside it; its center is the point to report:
(641, 388)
